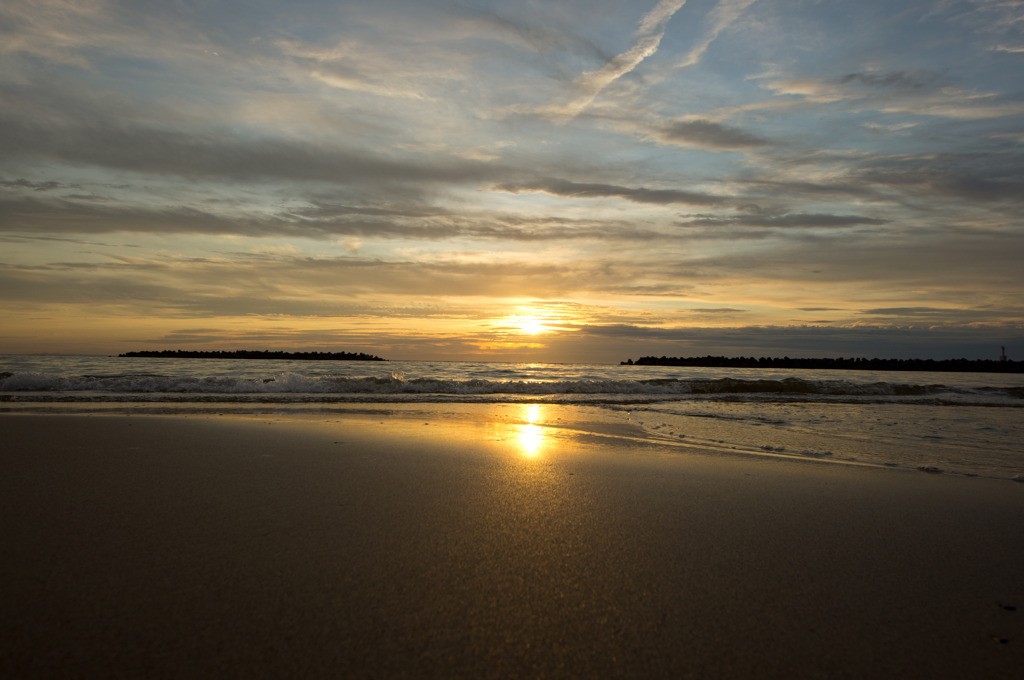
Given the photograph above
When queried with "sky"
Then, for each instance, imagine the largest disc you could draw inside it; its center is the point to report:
(526, 180)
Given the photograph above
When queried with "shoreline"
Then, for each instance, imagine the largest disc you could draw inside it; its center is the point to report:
(378, 545)
(635, 424)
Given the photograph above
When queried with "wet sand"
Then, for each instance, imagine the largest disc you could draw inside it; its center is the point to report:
(387, 546)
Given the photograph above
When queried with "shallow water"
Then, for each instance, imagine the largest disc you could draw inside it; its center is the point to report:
(965, 423)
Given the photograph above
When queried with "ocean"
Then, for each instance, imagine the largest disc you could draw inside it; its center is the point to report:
(956, 423)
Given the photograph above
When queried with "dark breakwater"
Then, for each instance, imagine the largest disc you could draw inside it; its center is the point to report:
(248, 354)
(862, 364)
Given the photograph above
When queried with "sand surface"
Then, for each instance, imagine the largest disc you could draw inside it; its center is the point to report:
(379, 545)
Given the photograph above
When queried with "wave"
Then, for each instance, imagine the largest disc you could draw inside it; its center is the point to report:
(396, 385)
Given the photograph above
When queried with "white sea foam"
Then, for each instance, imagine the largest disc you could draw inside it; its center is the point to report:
(291, 383)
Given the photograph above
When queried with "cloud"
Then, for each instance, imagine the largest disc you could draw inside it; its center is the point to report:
(717, 311)
(269, 284)
(941, 315)
(786, 221)
(347, 82)
(706, 134)
(320, 221)
(535, 31)
(568, 189)
(47, 28)
(724, 14)
(911, 185)
(647, 38)
(896, 92)
(900, 79)
(919, 177)
(225, 154)
(869, 341)
(303, 160)
(957, 104)
(895, 128)
(368, 66)
(841, 186)
(906, 311)
(23, 183)
(995, 23)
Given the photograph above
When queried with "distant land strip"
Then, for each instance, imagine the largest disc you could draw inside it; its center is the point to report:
(856, 364)
(251, 354)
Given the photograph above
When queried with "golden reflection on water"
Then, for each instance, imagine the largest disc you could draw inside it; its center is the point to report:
(532, 439)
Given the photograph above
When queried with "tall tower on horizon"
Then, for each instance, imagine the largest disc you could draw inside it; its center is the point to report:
(1002, 353)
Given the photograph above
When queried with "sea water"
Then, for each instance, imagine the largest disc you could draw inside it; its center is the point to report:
(961, 423)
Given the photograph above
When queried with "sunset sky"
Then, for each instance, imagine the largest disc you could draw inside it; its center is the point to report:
(556, 180)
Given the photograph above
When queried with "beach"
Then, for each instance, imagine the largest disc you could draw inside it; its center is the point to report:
(471, 542)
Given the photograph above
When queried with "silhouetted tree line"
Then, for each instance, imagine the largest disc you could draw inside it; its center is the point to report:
(860, 363)
(250, 354)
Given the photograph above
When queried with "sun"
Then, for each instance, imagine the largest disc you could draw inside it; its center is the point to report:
(530, 326)
(527, 324)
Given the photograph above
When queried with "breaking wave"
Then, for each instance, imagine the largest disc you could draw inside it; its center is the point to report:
(337, 388)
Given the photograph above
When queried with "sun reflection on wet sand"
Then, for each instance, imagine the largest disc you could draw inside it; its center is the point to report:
(532, 438)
